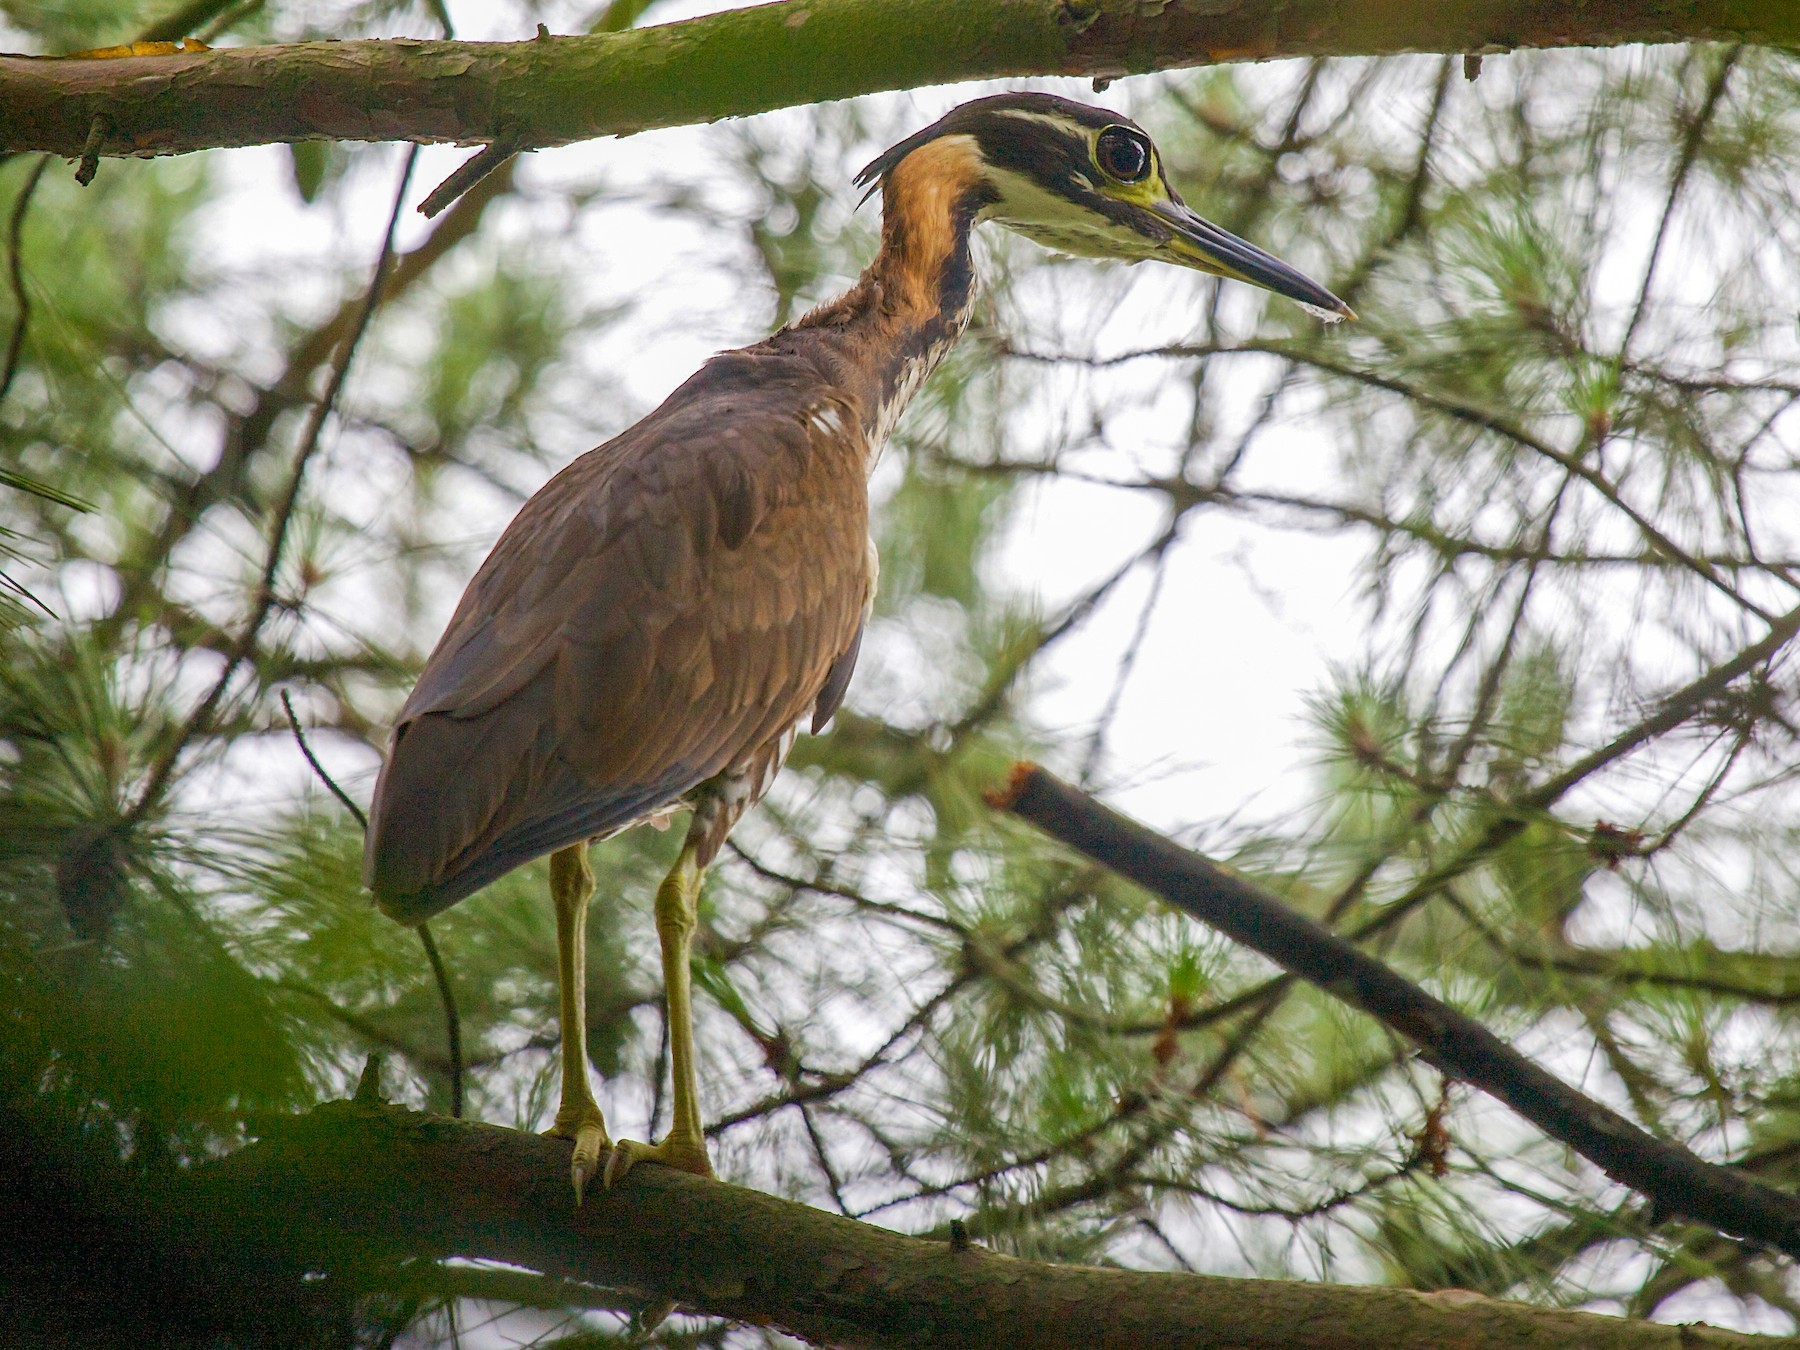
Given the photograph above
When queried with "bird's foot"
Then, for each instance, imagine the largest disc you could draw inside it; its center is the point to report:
(688, 1155)
(587, 1127)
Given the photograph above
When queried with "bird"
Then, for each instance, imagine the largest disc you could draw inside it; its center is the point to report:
(667, 613)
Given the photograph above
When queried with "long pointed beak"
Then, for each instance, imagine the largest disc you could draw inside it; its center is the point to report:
(1197, 242)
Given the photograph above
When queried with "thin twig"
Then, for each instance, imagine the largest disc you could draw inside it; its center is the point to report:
(452, 1023)
(441, 12)
(1475, 416)
(1127, 666)
(1470, 414)
(90, 149)
(1676, 709)
(163, 770)
(452, 1020)
(824, 1159)
(1690, 152)
(15, 269)
(349, 802)
(470, 172)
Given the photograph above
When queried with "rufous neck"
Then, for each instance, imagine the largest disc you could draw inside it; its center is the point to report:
(890, 330)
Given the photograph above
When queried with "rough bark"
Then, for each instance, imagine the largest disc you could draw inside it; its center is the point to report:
(351, 1188)
(552, 91)
(1675, 1180)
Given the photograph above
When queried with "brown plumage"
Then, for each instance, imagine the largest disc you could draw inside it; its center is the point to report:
(658, 615)
(666, 609)
(664, 616)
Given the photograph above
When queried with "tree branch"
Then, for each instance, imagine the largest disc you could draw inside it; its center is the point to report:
(1676, 1182)
(553, 91)
(358, 1184)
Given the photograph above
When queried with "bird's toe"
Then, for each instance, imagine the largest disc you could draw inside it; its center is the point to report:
(682, 1154)
(584, 1162)
(587, 1128)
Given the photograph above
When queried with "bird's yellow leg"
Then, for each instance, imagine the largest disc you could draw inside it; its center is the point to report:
(685, 1144)
(578, 1116)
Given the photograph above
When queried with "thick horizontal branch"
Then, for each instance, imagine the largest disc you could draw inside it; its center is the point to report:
(350, 1188)
(552, 91)
(1675, 1180)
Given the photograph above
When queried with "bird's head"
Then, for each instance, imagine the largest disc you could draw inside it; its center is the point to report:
(1086, 181)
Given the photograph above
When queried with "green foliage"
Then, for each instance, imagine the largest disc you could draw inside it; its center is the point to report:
(495, 341)
(310, 161)
(1558, 502)
(74, 25)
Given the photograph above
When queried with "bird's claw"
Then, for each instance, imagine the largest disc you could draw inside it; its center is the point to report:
(684, 1155)
(588, 1129)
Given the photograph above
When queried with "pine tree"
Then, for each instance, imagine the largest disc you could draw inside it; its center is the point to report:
(1551, 472)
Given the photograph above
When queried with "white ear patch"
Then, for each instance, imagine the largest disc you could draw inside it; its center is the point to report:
(1048, 119)
(1058, 223)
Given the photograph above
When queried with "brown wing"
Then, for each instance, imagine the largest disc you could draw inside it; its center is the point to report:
(658, 612)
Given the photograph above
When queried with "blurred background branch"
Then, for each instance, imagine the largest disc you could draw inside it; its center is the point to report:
(1672, 1179)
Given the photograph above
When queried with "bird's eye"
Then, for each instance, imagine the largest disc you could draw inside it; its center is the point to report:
(1124, 154)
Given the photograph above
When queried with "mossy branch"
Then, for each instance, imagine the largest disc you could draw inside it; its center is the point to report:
(353, 1187)
(556, 90)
